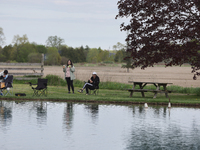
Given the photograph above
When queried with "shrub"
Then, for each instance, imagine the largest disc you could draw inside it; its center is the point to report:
(55, 80)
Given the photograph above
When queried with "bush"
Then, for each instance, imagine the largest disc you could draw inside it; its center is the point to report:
(197, 91)
(64, 60)
(55, 80)
(108, 62)
(34, 58)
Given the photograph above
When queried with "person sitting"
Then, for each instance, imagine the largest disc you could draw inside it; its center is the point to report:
(4, 77)
(93, 83)
(1, 76)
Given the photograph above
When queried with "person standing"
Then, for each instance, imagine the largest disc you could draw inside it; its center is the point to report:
(69, 70)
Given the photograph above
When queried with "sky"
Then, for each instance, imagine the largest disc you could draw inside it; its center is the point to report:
(78, 22)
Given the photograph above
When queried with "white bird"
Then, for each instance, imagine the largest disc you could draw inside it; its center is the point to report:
(145, 105)
(169, 105)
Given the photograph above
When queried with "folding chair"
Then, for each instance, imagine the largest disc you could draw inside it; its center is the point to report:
(41, 88)
(8, 89)
(94, 92)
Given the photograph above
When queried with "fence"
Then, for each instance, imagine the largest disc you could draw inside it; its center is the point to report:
(21, 69)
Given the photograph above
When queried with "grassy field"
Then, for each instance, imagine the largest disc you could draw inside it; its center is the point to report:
(59, 93)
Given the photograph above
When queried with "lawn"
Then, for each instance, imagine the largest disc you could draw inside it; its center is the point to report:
(60, 93)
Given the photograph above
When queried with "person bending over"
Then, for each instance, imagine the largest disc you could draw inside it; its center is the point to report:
(3, 78)
(93, 83)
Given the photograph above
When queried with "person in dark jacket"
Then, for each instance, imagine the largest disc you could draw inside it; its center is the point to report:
(93, 83)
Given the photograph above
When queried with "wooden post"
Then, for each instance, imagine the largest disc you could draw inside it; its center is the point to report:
(141, 88)
(157, 89)
(42, 63)
(165, 89)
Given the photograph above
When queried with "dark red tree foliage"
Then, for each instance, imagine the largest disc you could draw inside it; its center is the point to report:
(162, 31)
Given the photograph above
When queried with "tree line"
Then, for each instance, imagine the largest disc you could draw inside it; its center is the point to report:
(56, 52)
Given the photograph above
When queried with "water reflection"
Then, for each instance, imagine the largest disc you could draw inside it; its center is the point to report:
(41, 111)
(93, 109)
(164, 112)
(5, 113)
(157, 110)
(68, 116)
(164, 134)
(97, 126)
(141, 109)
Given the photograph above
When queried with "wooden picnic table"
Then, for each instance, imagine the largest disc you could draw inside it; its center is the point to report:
(143, 84)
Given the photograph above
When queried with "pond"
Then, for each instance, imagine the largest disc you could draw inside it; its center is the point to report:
(75, 126)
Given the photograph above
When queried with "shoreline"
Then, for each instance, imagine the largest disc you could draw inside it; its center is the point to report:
(105, 102)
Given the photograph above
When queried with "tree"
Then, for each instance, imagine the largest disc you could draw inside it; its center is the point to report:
(162, 30)
(2, 37)
(64, 60)
(119, 56)
(53, 57)
(54, 41)
(103, 56)
(41, 49)
(68, 52)
(119, 46)
(2, 57)
(24, 51)
(34, 58)
(8, 52)
(76, 55)
(80, 55)
(92, 55)
(17, 40)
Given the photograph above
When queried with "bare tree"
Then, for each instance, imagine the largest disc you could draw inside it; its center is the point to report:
(54, 41)
(17, 40)
(2, 37)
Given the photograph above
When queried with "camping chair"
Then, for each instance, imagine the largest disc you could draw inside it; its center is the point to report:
(41, 88)
(94, 92)
(8, 89)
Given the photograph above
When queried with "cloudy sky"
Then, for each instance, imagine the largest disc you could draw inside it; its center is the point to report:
(78, 22)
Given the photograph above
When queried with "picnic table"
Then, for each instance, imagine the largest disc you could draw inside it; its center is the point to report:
(155, 91)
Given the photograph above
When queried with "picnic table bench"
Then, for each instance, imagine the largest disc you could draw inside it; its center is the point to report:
(143, 84)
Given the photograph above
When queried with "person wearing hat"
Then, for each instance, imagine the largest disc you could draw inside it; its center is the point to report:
(93, 83)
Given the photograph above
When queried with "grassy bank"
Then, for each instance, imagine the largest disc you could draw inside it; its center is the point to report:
(54, 80)
(109, 93)
(59, 93)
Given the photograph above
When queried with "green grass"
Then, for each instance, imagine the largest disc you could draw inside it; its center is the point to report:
(110, 92)
(54, 80)
(59, 93)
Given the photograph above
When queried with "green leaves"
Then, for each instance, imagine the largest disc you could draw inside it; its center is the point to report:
(157, 29)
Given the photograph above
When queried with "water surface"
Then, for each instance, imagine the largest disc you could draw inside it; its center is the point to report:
(73, 126)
